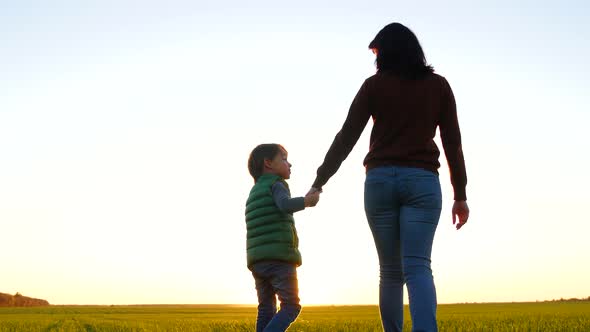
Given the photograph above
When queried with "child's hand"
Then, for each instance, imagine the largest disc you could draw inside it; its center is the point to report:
(311, 199)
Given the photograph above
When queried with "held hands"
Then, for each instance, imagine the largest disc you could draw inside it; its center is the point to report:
(461, 211)
(312, 197)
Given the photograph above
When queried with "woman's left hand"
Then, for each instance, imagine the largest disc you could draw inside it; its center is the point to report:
(461, 211)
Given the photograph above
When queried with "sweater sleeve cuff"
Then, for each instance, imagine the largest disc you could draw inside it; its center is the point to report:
(460, 194)
(317, 184)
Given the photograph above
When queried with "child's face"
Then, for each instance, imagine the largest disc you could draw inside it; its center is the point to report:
(279, 165)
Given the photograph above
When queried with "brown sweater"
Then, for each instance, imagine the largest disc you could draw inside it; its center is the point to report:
(405, 116)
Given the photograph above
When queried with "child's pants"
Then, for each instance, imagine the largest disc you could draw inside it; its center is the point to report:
(275, 278)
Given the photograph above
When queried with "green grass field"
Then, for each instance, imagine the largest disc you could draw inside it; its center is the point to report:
(542, 316)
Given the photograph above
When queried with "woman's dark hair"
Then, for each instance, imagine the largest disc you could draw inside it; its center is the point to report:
(259, 154)
(399, 52)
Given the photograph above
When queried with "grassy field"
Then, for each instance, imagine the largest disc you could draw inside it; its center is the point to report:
(543, 316)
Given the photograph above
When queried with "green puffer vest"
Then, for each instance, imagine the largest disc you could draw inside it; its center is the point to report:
(271, 233)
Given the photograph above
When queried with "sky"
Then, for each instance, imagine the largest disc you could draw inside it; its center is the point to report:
(125, 127)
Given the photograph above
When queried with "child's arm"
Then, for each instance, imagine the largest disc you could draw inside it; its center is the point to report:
(283, 200)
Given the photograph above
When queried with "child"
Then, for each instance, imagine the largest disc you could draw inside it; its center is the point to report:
(272, 243)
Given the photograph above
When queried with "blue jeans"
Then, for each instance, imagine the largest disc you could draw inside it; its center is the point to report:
(403, 206)
(276, 278)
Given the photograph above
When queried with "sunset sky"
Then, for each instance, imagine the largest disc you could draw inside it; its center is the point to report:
(125, 127)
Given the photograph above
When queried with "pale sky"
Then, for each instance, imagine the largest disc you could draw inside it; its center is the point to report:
(125, 127)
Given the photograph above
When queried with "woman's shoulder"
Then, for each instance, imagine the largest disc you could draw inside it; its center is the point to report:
(434, 77)
(442, 82)
(384, 78)
(438, 77)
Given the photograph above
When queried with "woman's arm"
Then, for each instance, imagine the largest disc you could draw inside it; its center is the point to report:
(358, 116)
(450, 135)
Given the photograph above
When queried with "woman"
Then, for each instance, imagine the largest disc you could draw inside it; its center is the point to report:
(403, 200)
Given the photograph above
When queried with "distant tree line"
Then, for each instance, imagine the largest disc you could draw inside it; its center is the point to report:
(18, 300)
(573, 299)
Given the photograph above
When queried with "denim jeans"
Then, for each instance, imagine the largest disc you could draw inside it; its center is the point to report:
(403, 207)
(274, 278)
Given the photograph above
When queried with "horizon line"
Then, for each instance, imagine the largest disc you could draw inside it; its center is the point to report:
(307, 305)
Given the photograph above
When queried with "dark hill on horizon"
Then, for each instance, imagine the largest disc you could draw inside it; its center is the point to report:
(18, 300)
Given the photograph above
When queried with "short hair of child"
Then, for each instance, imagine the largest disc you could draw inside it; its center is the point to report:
(259, 154)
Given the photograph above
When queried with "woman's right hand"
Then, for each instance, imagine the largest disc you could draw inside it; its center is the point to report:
(311, 199)
(460, 211)
(313, 190)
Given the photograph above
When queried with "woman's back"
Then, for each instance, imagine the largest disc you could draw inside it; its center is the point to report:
(406, 114)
